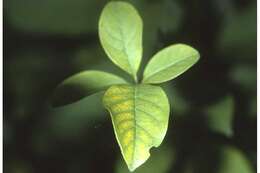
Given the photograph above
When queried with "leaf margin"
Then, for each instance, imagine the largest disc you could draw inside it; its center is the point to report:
(157, 144)
(156, 57)
(72, 81)
(134, 70)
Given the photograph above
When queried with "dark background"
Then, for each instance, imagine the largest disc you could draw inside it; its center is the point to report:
(212, 125)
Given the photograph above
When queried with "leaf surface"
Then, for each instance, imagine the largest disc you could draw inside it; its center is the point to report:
(170, 63)
(83, 84)
(140, 116)
(120, 33)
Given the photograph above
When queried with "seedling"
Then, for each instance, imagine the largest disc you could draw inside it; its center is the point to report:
(139, 110)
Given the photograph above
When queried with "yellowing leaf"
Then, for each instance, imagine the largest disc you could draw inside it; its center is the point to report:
(170, 63)
(120, 32)
(140, 116)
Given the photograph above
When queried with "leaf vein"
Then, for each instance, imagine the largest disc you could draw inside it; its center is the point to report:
(152, 103)
(168, 66)
(149, 115)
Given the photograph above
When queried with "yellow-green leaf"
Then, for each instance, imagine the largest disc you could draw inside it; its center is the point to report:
(120, 33)
(170, 63)
(83, 84)
(140, 116)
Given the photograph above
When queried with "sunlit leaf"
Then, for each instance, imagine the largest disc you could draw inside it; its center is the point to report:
(220, 116)
(161, 160)
(120, 32)
(140, 116)
(84, 84)
(170, 63)
(233, 161)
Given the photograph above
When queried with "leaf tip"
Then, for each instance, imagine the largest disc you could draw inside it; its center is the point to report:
(132, 166)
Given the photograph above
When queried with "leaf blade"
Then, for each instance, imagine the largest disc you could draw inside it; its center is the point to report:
(120, 33)
(140, 119)
(169, 63)
(83, 84)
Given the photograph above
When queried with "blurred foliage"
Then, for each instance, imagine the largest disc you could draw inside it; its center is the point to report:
(177, 102)
(47, 41)
(220, 116)
(245, 76)
(54, 16)
(242, 39)
(231, 160)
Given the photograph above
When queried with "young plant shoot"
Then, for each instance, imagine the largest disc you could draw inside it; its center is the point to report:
(139, 110)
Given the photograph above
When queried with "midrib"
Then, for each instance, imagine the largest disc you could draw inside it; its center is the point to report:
(168, 66)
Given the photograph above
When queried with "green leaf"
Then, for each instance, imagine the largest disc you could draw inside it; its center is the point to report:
(120, 32)
(233, 161)
(170, 63)
(220, 116)
(83, 84)
(140, 116)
